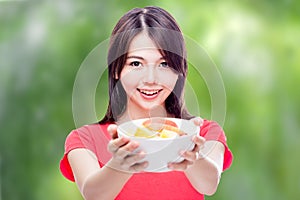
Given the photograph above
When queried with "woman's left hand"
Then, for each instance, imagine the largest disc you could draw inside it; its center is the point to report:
(190, 156)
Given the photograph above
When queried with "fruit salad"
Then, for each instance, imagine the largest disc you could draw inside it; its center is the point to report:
(158, 128)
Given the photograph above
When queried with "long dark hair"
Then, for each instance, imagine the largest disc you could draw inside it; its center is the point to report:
(162, 28)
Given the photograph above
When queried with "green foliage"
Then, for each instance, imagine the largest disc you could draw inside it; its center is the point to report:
(255, 45)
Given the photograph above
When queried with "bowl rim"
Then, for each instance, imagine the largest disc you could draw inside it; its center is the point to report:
(197, 130)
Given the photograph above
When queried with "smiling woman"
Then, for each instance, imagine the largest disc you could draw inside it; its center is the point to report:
(147, 69)
(146, 31)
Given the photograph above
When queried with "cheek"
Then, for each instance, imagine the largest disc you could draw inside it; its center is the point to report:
(169, 81)
(127, 84)
(129, 81)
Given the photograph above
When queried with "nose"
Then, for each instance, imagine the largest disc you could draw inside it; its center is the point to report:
(150, 75)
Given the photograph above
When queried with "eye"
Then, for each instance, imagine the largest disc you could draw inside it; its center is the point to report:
(163, 64)
(136, 64)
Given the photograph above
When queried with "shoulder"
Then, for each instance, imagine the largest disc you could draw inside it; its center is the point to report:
(211, 130)
(86, 136)
(89, 130)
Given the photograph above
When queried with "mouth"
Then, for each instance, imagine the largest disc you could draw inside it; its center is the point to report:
(149, 93)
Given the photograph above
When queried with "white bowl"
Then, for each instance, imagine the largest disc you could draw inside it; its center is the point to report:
(160, 151)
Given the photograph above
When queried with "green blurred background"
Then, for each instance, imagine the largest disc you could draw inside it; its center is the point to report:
(255, 45)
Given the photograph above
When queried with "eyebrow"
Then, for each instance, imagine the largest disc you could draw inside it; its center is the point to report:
(141, 58)
(137, 57)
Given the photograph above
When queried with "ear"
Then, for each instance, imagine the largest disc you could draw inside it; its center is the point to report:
(116, 76)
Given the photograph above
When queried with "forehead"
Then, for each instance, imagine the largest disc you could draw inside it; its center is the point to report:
(142, 42)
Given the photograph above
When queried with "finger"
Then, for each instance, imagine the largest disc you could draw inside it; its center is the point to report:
(138, 167)
(198, 121)
(190, 155)
(180, 166)
(126, 149)
(199, 141)
(115, 144)
(112, 130)
(133, 159)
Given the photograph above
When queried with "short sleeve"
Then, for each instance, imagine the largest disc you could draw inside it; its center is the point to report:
(210, 130)
(73, 141)
(93, 137)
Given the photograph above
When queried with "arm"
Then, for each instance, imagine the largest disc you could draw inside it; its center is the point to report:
(106, 182)
(204, 173)
(95, 182)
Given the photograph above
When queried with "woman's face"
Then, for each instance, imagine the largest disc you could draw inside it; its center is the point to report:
(146, 76)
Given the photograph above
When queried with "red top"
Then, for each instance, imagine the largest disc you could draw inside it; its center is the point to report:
(146, 185)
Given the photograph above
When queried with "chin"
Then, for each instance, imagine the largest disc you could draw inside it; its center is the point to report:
(154, 107)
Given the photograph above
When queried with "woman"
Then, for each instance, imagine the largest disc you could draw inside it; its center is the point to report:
(147, 71)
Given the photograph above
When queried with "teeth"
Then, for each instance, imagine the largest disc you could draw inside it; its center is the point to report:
(149, 92)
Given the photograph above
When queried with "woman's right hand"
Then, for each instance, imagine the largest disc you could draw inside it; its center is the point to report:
(123, 158)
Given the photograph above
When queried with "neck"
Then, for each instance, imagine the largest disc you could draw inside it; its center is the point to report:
(138, 113)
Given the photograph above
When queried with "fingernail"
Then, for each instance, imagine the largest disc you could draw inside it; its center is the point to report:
(194, 138)
(135, 144)
(145, 164)
(142, 154)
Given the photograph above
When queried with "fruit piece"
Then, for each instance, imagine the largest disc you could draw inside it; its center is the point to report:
(174, 129)
(167, 134)
(159, 121)
(144, 132)
(157, 124)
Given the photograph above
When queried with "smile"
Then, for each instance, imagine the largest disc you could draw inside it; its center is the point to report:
(149, 92)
